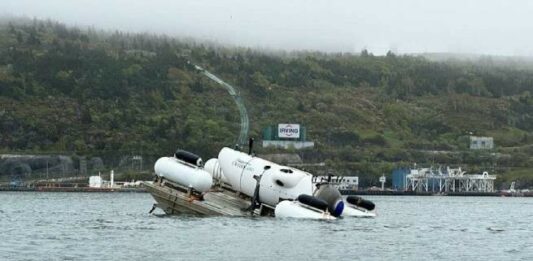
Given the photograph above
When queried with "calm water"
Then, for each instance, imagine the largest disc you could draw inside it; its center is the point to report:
(117, 226)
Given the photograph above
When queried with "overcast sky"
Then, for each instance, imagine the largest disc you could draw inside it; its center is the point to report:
(498, 27)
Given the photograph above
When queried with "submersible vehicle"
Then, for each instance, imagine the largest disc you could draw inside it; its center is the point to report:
(241, 184)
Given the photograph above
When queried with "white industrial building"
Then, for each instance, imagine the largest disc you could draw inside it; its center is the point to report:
(481, 143)
(99, 182)
(451, 180)
(286, 136)
(340, 182)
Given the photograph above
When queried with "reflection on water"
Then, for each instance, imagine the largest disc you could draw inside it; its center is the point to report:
(94, 226)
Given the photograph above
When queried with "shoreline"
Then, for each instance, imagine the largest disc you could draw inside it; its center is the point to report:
(73, 189)
(421, 193)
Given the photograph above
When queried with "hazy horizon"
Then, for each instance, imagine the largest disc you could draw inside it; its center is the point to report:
(492, 27)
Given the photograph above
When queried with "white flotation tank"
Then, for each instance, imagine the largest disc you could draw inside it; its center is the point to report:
(183, 173)
(213, 168)
(358, 207)
(352, 211)
(295, 209)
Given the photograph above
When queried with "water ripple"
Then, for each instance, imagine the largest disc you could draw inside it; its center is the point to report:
(94, 226)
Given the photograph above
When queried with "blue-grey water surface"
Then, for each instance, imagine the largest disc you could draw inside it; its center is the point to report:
(117, 226)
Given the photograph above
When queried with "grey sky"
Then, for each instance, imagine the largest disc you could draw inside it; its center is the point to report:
(405, 26)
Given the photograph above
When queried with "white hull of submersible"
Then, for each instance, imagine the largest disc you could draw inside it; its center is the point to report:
(353, 211)
(183, 173)
(276, 182)
(295, 209)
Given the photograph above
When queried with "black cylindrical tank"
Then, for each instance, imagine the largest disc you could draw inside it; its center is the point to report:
(360, 202)
(188, 157)
(313, 202)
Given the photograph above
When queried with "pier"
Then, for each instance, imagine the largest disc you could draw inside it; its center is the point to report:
(450, 181)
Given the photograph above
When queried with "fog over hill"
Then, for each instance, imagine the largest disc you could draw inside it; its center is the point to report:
(490, 27)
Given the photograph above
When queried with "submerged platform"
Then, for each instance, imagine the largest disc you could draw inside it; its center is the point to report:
(175, 199)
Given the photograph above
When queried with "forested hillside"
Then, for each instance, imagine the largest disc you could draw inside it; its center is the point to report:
(89, 92)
